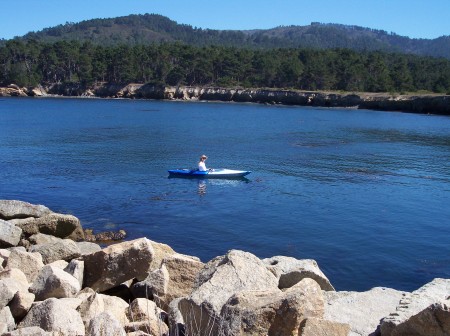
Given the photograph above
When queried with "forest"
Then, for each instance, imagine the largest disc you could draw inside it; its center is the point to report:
(32, 62)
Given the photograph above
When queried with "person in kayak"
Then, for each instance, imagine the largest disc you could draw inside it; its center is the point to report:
(201, 163)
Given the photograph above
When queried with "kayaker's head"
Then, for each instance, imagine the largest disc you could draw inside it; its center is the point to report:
(203, 157)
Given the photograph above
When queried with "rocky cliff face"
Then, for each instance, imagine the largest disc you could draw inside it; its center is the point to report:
(431, 104)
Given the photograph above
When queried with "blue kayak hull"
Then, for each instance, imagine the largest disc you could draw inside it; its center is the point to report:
(215, 173)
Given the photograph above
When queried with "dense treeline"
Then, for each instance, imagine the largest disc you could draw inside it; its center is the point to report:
(30, 63)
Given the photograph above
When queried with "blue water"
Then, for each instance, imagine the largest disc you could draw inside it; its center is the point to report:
(364, 193)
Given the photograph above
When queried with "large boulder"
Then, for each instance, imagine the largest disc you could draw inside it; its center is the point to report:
(10, 209)
(9, 234)
(54, 224)
(272, 312)
(104, 324)
(362, 311)
(55, 316)
(7, 319)
(219, 280)
(290, 271)
(227, 275)
(61, 249)
(29, 263)
(318, 327)
(96, 304)
(21, 304)
(423, 312)
(53, 282)
(118, 263)
(6, 293)
(143, 310)
(175, 278)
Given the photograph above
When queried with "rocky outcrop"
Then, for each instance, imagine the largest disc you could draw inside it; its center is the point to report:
(432, 104)
(173, 294)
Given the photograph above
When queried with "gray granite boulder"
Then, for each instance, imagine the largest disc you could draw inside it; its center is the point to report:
(6, 294)
(29, 263)
(272, 312)
(143, 310)
(88, 247)
(318, 327)
(21, 304)
(53, 282)
(290, 271)
(362, 311)
(7, 319)
(76, 269)
(118, 263)
(61, 249)
(10, 209)
(9, 234)
(41, 238)
(105, 324)
(56, 316)
(96, 304)
(422, 312)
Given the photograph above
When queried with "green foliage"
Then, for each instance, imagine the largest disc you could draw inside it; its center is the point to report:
(151, 28)
(32, 62)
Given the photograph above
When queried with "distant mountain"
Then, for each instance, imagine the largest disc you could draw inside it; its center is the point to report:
(153, 28)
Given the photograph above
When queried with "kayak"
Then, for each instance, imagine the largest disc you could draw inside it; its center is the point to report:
(214, 173)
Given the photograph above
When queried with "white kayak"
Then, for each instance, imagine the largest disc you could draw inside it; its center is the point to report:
(212, 173)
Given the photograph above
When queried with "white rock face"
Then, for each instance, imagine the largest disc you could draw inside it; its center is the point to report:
(361, 310)
(53, 282)
(29, 263)
(290, 271)
(104, 324)
(428, 303)
(17, 209)
(9, 234)
(118, 263)
(54, 315)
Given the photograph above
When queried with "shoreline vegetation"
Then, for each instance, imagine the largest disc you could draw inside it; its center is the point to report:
(55, 281)
(415, 103)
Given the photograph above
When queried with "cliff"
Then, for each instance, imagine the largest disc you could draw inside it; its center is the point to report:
(431, 104)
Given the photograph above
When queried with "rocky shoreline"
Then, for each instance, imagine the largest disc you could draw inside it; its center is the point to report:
(431, 104)
(54, 282)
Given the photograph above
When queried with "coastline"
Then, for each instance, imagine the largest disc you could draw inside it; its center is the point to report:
(419, 103)
(54, 279)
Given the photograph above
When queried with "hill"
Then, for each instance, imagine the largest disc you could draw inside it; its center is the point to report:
(152, 28)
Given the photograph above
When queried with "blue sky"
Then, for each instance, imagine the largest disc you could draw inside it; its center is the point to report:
(413, 18)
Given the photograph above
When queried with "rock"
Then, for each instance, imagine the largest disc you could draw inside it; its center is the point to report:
(4, 254)
(104, 324)
(433, 320)
(15, 278)
(41, 238)
(361, 310)
(319, 327)
(7, 319)
(29, 263)
(61, 226)
(290, 271)
(53, 282)
(9, 234)
(28, 331)
(99, 303)
(6, 293)
(416, 309)
(117, 263)
(227, 275)
(61, 264)
(272, 312)
(176, 321)
(107, 236)
(63, 249)
(10, 209)
(85, 293)
(145, 314)
(175, 278)
(21, 304)
(88, 248)
(76, 269)
(55, 316)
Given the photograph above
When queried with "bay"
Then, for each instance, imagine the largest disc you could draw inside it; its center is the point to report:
(364, 193)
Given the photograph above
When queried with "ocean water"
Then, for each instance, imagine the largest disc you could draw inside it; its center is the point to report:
(364, 193)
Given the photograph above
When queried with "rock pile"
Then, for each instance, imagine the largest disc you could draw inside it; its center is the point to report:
(53, 282)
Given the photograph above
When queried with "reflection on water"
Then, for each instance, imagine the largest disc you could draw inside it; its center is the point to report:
(201, 187)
